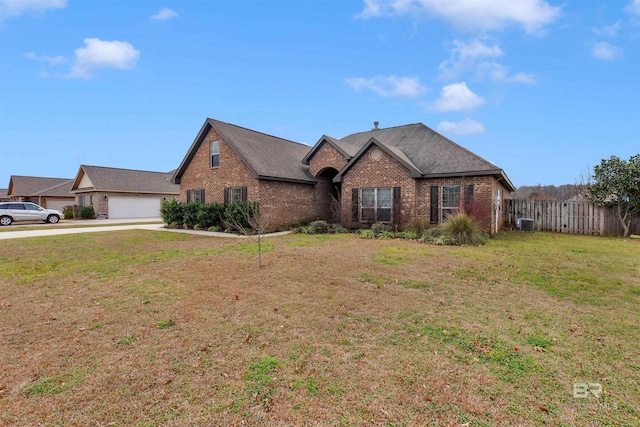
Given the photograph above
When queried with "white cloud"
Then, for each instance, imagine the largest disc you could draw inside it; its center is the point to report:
(164, 14)
(634, 7)
(463, 57)
(408, 87)
(103, 54)
(456, 97)
(500, 73)
(462, 127)
(52, 60)
(532, 15)
(18, 7)
(605, 51)
(609, 30)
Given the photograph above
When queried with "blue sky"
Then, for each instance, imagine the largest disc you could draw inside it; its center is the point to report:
(543, 89)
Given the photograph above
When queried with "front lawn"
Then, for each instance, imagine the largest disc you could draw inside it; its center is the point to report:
(156, 328)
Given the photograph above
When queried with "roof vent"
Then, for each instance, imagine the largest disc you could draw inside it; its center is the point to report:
(375, 125)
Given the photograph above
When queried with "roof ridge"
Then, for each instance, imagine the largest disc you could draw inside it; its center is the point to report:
(123, 169)
(54, 186)
(379, 129)
(257, 131)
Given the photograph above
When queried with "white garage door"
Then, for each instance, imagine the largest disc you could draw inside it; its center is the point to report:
(59, 204)
(134, 207)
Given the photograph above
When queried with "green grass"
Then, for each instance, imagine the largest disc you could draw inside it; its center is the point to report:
(177, 329)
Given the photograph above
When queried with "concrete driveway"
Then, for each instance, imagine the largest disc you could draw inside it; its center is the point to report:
(89, 226)
(86, 227)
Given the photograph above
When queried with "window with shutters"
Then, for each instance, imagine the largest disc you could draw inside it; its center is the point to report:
(215, 154)
(450, 200)
(195, 195)
(375, 204)
(236, 194)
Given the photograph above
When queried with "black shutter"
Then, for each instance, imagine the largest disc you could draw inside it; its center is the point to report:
(434, 204)
(226, 196)
(354, 205)
(244, 194)
(396, 205)
(468, 196)
(202, 195)
(188, 196)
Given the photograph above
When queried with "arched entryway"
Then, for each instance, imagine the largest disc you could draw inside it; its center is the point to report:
(328, 195)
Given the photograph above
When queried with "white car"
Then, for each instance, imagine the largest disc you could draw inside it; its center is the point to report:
(25, 211)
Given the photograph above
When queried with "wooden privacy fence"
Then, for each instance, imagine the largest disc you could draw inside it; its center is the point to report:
(567, 217)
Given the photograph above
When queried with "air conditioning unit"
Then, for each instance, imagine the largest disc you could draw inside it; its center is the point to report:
(525, 224)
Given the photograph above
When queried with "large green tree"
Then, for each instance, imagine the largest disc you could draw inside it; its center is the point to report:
(616, 183)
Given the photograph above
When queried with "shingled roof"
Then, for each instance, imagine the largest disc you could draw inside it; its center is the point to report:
(29, 186)
(99, 178)
(4, 194)
(266, 156)
(425, 152)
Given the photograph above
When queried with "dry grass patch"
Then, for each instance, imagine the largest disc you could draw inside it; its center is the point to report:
(155, 328)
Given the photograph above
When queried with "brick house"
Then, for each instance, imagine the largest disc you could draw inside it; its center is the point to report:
(122, 193)
(50, 193)
(388, 175)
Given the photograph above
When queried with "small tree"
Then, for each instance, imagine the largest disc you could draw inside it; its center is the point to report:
(245, 217)
(616, 183)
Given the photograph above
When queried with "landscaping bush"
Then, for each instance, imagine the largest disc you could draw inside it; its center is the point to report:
(171, 211)
(68, 212)
(417, 226)
(407, 235)
(87, 212)
(209, 215)
(319, 227)
(190, 214)
(380, 227)
(367, 234)
(235, 213)
(463, 230)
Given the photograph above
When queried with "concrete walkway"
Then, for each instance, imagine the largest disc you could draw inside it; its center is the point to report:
(58, 231)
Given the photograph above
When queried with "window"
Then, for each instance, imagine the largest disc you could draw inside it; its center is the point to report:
(375, 204)
(195, 196)
(236, 194)
(81, 200)
(215, 154)
(450, 200)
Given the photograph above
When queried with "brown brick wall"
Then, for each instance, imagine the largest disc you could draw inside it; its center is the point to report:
(484, 188)
(325, 157)
(232, 172)
(285, 203)
(384, 172)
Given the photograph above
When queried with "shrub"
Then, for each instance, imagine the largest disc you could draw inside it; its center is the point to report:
(385, 234)
(407, 235)
(319, 227)
(209, 215)
(341, 230)
(214, 228)
(417, 226)
(235, 214)
(171, 211)
(379, 227)
(176, 225)
(68, 212)
(463, 230)
(87, 212)
(190, 214)
(367, 234)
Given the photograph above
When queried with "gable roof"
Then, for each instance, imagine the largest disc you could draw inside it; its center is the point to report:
(266, 156)
(26, 186)
(4, 193)
(120, 180)
(425, 152)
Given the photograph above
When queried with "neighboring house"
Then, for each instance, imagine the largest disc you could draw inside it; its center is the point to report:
(390, 175)
(4, 195)
(123, 193)
(50, 193)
